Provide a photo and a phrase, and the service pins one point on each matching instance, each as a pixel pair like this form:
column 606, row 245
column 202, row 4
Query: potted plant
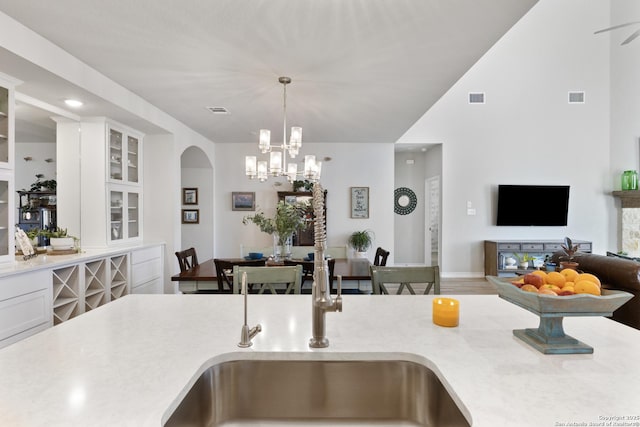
column 289, row 218
column 306, row 185
column 570, row 250
column 59, row 239
column 523, row 260
column 360, row 241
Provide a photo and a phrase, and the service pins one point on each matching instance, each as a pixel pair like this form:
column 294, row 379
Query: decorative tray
column 550, row 338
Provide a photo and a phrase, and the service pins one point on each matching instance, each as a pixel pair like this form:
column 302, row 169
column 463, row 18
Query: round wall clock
column 405, row 200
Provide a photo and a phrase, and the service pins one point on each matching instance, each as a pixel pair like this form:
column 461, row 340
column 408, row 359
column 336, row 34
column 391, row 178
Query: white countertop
column 42, row 261
column 127, row 362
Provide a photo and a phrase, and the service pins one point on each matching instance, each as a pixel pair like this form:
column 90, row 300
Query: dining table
column 204, row 277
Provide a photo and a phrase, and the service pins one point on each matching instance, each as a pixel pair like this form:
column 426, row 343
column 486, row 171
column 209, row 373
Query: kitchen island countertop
column 129, row 362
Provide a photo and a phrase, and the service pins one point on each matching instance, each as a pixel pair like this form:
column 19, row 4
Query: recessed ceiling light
column 73, row 103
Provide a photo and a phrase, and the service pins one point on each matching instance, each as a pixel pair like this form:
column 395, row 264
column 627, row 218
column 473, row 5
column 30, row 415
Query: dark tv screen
column 543, row 205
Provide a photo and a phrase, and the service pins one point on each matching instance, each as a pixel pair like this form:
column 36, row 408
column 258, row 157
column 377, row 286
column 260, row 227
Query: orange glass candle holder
column 446, row 312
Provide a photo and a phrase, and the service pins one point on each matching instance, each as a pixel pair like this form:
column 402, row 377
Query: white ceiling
column 362, row 70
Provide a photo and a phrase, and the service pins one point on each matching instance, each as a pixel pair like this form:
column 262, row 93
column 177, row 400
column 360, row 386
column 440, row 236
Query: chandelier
column 278, row 165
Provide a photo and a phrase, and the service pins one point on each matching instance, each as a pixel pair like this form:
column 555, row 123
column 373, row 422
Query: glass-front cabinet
column 4, row 125
column 7, row 195
column 123, row 156
column 124, row 214
column 112, row 180
column 6, row 223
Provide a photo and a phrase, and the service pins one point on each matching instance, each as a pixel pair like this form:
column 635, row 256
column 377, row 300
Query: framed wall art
column 359, row 202
column 190, row 216
column 243, row 201
column 189, row 196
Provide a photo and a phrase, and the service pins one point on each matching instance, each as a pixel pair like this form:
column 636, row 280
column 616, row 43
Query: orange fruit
column 568, row 284
column 587, row 276
column 547, row 291
column 555, row 278
column 541, row 274
column 569, row 287
column 569, row 274
column 529, row 288
column 586, row 287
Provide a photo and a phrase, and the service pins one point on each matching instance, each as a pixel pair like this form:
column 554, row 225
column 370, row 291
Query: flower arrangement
column 289, row 218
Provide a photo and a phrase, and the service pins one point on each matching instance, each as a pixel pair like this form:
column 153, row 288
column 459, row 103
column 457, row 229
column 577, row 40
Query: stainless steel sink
column 301, row 393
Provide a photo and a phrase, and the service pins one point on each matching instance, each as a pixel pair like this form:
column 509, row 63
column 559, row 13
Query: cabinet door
column 133, row 215
column 6, row 216
column 133, row 150
column 116, row 155
column 4, row 124
column 116, row 223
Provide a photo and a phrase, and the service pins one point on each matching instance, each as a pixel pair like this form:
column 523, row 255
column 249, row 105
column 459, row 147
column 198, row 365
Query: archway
column 196, row 181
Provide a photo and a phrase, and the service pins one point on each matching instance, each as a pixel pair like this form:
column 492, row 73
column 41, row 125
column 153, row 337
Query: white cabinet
column 7, row 199
column 111, row 188
column 7, row 215
column 124, row 213
column 25, row 306
column 124, row 153
column 147, row 270
column 5, row 127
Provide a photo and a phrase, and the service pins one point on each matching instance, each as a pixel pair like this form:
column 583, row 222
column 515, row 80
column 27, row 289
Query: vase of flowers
column 289, row 218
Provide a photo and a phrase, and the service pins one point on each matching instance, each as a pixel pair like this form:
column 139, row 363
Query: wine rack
column 66, row 293
column 95, row 290
column 118, row 283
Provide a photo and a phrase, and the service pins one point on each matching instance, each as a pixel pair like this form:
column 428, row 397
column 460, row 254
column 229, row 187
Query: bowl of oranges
column 566, row 292
column 553, row 296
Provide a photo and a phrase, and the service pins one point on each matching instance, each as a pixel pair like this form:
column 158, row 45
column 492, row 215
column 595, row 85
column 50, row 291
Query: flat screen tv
column 543, row 205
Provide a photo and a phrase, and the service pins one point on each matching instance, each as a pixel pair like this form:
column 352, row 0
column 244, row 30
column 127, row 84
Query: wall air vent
column 476, row 97
column 218, row 110
column 576, row 97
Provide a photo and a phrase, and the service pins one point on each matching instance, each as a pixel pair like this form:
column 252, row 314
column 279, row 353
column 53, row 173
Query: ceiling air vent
column 218, row 110
column 576, row 97
column 476, row 97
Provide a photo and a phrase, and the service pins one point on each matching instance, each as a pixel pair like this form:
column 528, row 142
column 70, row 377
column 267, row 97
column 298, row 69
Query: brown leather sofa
column 616, row 273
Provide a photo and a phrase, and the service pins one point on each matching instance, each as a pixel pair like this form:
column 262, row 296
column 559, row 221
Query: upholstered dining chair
column 381, row 257
column 187, row 259
column 405, row 277
column 267, row 277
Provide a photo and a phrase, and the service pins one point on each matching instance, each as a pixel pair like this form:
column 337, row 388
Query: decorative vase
column 524, row 265
column 360, row 254
column 281, row 248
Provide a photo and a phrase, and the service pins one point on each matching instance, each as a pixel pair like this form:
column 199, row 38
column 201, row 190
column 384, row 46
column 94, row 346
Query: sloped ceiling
column 362, row 70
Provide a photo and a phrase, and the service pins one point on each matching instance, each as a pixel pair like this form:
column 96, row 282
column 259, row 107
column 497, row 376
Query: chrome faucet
column 322, row 303
column 320, row 290
column 247, row 334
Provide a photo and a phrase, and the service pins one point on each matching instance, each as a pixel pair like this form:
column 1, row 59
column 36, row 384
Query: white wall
column 526, row 133
column 361, row 165
column 625, row 106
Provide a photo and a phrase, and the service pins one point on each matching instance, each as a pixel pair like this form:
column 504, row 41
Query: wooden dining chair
column 405, row 277
column 224, row 272
column 187, row 259
column 381, row 257
column 307, row 270
column 267, row 277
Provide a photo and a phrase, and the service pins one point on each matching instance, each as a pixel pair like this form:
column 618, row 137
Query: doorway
column 432, row 221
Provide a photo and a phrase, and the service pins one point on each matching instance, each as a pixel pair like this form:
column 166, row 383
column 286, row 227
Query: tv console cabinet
column 496, row 252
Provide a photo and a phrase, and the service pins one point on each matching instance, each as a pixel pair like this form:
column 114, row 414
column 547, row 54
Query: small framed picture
column 190, row 216
column 243, row 201
column 189, row 196
column 359, row 202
